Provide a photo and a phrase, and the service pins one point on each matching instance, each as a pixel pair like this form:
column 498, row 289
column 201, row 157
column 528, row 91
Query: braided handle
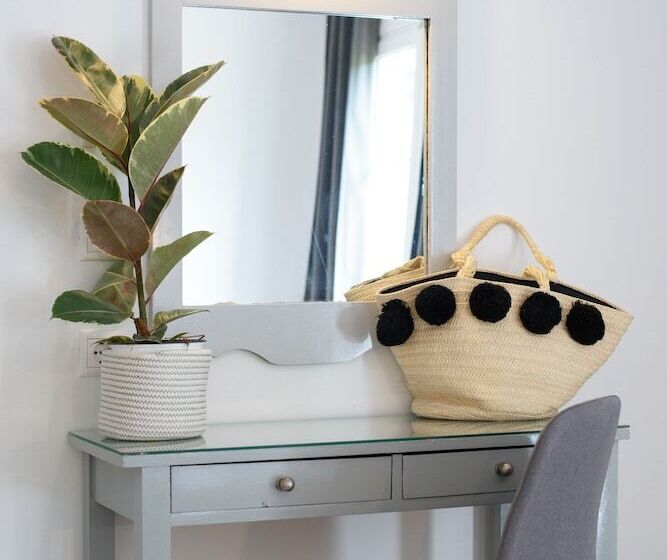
column 463, row 260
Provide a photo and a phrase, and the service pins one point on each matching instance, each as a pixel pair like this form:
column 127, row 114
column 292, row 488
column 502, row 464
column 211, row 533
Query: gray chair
column 554, row 514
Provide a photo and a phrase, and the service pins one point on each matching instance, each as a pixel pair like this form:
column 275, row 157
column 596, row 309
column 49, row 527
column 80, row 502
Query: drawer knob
column 285, row 484
column 504, row 468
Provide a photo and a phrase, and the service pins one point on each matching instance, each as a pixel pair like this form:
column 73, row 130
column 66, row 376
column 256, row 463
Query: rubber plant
column 135, row 130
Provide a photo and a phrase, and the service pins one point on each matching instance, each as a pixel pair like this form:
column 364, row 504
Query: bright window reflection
column 385, row 207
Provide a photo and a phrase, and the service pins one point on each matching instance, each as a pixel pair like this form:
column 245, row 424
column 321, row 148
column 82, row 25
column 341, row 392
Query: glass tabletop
column 301, row 433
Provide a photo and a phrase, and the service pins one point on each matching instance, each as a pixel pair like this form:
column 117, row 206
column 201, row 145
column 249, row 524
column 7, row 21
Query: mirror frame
column 302, row 333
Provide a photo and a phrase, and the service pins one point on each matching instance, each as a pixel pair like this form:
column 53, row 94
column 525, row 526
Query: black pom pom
column 490, row 302
column 435, row 304
column 585, row 323
column 395, row 324
column 540, row 313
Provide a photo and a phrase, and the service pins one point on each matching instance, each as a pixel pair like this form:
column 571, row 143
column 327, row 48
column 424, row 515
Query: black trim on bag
column 495, row 277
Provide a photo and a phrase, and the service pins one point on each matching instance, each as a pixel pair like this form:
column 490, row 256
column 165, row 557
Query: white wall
column 562, row 123
column 41, row 396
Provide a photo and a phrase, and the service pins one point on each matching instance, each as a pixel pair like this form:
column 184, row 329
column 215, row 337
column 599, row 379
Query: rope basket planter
column 483, row 345
column 153, row 392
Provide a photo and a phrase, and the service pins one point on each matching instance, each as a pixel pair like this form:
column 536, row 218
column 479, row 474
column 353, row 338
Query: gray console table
column 313, row 468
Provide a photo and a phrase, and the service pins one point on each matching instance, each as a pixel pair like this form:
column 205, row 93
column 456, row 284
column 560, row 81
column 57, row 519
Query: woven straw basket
column 473, row 347
column 368, row 290
column 153, row 392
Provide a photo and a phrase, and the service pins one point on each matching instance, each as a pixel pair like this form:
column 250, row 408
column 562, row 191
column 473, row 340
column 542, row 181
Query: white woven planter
column 153, row 392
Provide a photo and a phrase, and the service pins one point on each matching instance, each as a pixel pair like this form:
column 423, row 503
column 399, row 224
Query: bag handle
column 464, row 261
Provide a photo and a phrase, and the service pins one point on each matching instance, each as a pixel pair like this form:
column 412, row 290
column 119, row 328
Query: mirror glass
column 307, row 161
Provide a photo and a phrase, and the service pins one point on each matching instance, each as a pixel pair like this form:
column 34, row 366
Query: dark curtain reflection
column 348, row 41
column 418, row 233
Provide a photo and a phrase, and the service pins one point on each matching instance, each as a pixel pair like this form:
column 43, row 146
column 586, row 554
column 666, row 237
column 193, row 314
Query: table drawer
column 459, row 473
column 255, row 485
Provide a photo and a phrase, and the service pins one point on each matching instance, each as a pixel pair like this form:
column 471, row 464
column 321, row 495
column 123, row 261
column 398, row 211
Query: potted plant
column 152, row 386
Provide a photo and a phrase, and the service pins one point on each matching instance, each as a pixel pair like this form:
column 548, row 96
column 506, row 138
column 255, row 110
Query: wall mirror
column 307, row 160
column 312, row 161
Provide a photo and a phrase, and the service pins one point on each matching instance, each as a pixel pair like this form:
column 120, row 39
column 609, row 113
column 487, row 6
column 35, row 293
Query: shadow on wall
column 315, row 539
column 289, row 540
column 391, row 536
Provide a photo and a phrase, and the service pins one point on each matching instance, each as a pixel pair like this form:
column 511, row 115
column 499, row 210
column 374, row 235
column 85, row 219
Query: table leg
column 608, row 517
column 487, row 526
column 152, row 524
column 99, row 522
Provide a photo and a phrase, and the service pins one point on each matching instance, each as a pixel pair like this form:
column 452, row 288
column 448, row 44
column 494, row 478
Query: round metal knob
column 285, row 484
column 504, row 468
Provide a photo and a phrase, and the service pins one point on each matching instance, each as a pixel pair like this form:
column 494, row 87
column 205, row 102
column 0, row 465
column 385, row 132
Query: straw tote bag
column 483, row 345
column 367, row 291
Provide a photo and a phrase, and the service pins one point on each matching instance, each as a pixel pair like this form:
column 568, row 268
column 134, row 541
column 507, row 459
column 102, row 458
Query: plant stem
column 141, row 298
column 131, row 193
column 142, row 323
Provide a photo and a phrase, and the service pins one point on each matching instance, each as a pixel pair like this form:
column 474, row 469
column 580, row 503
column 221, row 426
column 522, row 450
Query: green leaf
column 164, row 258
column 149, row 338
column 92, row 122
column 120, row 272
column 186, row 85
column 164, row 317
column 158, row 141
column 94, row 72
column 116, row 339
column 116, row 229
column 84, row 307
column 117, row 286
column 159, row 332
column 74, row 169
column 177, row 336
column 141, row 106
column 158, row 196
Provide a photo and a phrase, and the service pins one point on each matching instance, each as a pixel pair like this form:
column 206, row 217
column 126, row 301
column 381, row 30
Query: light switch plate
column 88, row 251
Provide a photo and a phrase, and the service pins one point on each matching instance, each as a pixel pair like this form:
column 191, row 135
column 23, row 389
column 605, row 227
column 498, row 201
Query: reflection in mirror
column 307, row 161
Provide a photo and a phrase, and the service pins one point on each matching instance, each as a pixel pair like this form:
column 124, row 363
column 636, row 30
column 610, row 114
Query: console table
column 312, row 468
